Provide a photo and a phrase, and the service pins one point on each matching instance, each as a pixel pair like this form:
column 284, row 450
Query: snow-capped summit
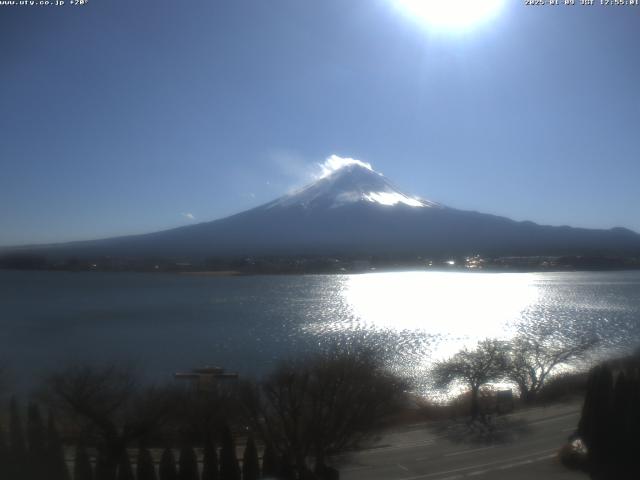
column 349, row 181
column 352, row 210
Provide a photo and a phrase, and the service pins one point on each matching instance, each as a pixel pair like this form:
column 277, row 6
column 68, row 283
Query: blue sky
column 121, row 117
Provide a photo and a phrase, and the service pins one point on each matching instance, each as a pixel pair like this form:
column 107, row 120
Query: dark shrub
column 4, row 456
column 56, row 464
column 145, row 469
column 17, row 448
column 35, row 434
column 125, row 472
column 188, row 464
column 250, row 465
column 105, row 468
column 168, row 469
column 229, row 468
column 82, row 465
column 210, row 463
column 562, row 387
column 269, row 462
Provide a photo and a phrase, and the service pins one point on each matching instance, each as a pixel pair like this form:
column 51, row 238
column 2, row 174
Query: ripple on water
column 169, row 322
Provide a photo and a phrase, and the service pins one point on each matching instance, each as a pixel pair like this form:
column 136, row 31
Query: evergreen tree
column 125, row 472
column 619, row 423
column 105, row 469
column 250, row 465
column 210, row 463
column 82, row 465
column 306, row 474
column 145, row 469
column 286, row 469
column 229, row 468
column 602, row 442
column 168, row 469
column 610, row 421
column 595, row 426
column 634, row 425
column 56, row 464
column 36, row 435
column 587, row 418
column 5, row 456
column 17, row 449
column 269, row 462
column 626, row 408
column 188, row 464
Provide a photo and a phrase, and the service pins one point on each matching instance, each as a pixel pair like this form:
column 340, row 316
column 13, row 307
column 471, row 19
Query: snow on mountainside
column 353, row 210
column 351, row 181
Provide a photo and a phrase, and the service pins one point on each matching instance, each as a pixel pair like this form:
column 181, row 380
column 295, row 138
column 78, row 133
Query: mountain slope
column 356, row 211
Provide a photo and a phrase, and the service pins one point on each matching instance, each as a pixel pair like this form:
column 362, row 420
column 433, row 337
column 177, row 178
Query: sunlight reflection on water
column 416, row 318
column 250, row 323
column 454, row 304
column 456, row 308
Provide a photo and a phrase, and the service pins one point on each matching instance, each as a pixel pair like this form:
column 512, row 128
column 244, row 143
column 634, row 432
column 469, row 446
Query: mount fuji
column 354, row 210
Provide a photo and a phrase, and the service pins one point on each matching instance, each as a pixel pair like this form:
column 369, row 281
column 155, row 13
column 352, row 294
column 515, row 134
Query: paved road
column 425, row 452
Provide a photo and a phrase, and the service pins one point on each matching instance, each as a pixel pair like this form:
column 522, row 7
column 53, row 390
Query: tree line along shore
column 302, row 264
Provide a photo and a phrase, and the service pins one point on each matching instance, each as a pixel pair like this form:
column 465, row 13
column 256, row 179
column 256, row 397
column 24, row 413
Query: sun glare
column 450, row 14
column 462, row 306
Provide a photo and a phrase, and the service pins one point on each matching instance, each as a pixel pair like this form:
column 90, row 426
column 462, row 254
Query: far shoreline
column 239, row 273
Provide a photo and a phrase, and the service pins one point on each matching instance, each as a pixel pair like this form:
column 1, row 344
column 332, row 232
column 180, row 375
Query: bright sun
column 450, row 14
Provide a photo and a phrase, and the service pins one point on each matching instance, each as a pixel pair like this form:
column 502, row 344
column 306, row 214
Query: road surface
column 441, row 452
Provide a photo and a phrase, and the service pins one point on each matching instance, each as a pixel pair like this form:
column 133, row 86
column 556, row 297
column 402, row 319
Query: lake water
column 165, row 323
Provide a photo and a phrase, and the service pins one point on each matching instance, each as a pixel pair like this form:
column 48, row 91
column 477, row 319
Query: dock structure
column 206, row 378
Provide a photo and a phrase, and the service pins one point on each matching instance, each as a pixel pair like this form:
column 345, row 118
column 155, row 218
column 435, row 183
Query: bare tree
column 473, row 368
column 533, row 357
column 323, row 405
column 109, row 404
